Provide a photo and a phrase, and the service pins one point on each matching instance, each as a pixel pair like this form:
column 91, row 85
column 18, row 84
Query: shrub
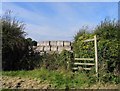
column 55, row 61
column 108, row 50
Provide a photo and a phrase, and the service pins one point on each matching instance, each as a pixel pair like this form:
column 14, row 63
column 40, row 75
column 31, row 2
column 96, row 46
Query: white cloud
column 35, row 31
column 22, row 12
column 40, row 27
column 47, row 32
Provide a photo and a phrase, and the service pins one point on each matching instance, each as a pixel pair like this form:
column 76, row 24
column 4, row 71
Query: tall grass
column 58, row 79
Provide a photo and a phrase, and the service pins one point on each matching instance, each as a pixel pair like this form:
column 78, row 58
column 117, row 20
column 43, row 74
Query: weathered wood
column 84, row 58
column 77, row 68
column 89, row 40
column 84, row 64
column 96, row 56
column 87, row 68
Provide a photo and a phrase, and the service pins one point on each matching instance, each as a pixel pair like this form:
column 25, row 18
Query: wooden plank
column 87, row 68
column 89, row 40
column 84, row 63
column 77, row 68
column 84, row 58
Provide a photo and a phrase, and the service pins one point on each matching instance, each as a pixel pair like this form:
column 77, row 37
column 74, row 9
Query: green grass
column 57, row 79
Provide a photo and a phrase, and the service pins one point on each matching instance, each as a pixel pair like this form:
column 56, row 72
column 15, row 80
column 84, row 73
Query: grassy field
column 60, row 79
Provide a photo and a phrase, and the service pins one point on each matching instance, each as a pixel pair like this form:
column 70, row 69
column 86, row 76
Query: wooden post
column 68, row 65
column 96, row 56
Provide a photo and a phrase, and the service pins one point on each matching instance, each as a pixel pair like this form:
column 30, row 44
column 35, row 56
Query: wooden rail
column 77, row 68
column 84, row 59
column 87, row 68
column 89, row 40
column 84, row 64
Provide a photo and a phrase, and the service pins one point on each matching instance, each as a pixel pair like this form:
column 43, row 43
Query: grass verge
column 58, row 79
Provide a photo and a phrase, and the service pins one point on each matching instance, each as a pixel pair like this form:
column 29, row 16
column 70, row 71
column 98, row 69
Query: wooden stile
column 90, row 59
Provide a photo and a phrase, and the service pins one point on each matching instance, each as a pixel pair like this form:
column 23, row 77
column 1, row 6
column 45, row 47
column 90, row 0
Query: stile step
column 84, row 64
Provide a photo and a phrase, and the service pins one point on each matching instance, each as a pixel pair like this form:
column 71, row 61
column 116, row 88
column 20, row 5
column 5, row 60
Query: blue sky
column 60, row 20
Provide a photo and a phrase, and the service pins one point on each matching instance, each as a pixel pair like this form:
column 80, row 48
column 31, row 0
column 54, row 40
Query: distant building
column 55, row 46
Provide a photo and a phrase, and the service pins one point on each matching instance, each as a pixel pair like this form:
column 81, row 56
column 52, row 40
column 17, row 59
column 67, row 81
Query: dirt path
column 24, row 83
column 33, row 83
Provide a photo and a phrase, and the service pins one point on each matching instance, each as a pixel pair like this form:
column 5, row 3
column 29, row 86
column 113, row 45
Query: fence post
column 96, row 56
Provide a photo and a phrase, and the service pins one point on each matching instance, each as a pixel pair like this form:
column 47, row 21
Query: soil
column 23, row 83
column 8, row 82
